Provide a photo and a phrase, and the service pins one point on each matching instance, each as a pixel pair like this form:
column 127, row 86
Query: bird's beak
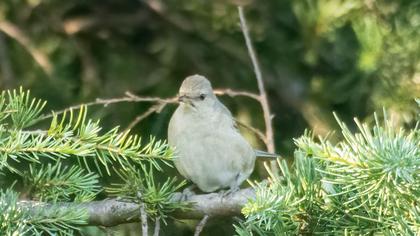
column 182, row 98
column 185, row 99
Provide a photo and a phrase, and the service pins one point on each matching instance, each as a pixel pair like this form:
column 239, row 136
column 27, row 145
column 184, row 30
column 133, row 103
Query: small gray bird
column 210, row 151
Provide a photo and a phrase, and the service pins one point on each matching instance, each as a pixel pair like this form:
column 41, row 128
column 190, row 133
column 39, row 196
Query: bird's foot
column 230, row 192
column 187, row 192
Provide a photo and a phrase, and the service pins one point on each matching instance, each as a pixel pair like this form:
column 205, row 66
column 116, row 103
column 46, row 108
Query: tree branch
column 233, row 93
column 201, row 225
column 159, row 104
column 143, row 219
column 14, row 32
column 111, row 212
column 256, row 131
column 157, row 227
column 105, row 102
column 157, row 108
column 269, row 133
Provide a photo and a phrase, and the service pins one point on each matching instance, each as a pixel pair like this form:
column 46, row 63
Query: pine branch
column 24, row 219
column 76, row 136
column 139, row 185
column 52, row 183
column 366, row 184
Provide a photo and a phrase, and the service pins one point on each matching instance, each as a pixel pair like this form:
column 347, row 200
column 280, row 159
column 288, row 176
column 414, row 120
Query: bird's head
column 196, row 92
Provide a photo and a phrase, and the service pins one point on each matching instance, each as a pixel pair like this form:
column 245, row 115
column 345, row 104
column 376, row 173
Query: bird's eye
column 202, row 96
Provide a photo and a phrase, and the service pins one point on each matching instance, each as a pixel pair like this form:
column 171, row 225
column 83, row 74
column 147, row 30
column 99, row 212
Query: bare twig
column 143, row 217
column 160, row 103
column 157, row 226
column 157, row 108
column 14, row 32
column 111, row 212
column 233, row 93
column 269, row 133
column 105, row 102
column 201, row 225
column 256, row 131
column 144, row 115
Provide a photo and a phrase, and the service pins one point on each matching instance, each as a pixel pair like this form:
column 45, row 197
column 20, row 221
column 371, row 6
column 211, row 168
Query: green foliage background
column 353, row 57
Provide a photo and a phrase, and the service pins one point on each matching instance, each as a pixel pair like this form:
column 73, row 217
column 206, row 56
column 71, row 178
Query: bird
column 209, row 149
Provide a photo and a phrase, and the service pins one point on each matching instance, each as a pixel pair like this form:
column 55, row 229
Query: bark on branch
column 111, row 212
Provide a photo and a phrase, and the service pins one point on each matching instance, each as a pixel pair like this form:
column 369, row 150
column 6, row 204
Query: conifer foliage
column 368, row 183
column 40, row 161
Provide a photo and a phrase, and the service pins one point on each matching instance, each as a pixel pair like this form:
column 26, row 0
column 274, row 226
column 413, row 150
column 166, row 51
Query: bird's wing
column 258, row 153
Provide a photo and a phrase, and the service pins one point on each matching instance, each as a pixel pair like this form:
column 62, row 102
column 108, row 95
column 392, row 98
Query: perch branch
column 111, row 212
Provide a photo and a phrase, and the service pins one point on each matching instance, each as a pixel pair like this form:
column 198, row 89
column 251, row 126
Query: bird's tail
column 266, row 155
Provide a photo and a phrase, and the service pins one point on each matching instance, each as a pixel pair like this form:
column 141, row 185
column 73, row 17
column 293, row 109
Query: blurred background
column 353, row 57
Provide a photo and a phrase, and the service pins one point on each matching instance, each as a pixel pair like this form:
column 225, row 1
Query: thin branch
column 111, row 212
column 256, row 131
column 14, row 32
column 269, row 133
column 160, row 103
column 105, row 102
column 157, row 108
column 143, row 219
column 201, row 225
column 157, row 226
column 233, row 93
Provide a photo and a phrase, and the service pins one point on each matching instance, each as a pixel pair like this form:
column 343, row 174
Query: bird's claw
column 230, row 192
column 187, row 192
